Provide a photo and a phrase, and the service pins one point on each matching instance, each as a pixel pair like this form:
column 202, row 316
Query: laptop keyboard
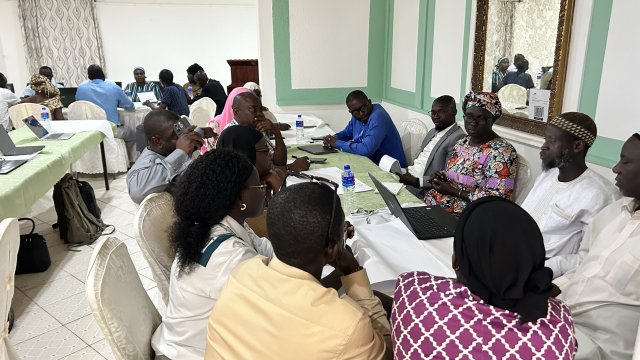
column 54, row 136
column 425, row 224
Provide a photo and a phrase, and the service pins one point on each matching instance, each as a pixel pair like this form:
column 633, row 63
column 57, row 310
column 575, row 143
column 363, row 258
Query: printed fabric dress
column 485, row 170
column 439, row 318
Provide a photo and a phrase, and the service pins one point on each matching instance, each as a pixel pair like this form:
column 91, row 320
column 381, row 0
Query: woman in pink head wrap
column 227, row 113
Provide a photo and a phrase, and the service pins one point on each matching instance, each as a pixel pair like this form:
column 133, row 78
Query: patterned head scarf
column 501, row 60
column 43, row 87
column 139, row 68
column 486, row 100
column 577, row 124
column 504, row 273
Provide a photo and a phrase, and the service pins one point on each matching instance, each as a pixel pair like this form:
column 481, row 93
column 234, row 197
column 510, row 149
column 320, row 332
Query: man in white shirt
column 46, row 72
column 603, row 292
column 7, row 99
column 567, row 195
column 437, row 146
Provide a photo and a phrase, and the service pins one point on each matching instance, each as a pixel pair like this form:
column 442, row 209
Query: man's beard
column 562, row 161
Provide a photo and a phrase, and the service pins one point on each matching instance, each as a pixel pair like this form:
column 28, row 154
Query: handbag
column 33, row 255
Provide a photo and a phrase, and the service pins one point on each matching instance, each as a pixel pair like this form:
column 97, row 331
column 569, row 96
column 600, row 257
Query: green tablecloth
column 360, row 165
column 22, row 187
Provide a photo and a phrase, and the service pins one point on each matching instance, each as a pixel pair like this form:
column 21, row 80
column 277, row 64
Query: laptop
column 7, row 166
column 8, row 148
column 67, row 95
column 36, row 127
column 425, row 222
column 317, row 149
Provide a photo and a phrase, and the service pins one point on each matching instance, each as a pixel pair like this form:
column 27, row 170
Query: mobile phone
column 317, row 138
column 317, row 160
column 180, row 126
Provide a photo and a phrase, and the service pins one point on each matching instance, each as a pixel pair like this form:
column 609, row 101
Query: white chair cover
column 151, row 225
column 513, row 94
column 206, row 103
column 114, row 149
column 22, row 111
column 9, row 244
column 413, row 133
column 523, row 179
column 119, row 303
column 200, row 116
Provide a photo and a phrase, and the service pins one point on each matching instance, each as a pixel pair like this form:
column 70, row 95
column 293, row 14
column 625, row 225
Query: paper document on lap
column 390, row 249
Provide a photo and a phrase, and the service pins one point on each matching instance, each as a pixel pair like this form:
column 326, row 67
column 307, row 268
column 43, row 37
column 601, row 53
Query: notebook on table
column 8, row 148
column 425, row 222
column 36, row 127
column 317, row 149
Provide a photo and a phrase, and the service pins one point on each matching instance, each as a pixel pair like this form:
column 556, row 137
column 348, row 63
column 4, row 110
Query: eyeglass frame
column 360, row 110
column 262, row 187
column 482, row 121
column 322, row 181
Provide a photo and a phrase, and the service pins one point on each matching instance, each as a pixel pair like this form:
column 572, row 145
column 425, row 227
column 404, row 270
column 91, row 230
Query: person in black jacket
column 212, row 89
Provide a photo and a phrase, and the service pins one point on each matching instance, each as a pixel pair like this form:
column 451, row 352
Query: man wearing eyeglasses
column 370, row 132
column 437, row 146
column 282, row 303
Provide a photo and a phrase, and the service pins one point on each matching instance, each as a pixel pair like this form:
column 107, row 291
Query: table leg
column 104, row 166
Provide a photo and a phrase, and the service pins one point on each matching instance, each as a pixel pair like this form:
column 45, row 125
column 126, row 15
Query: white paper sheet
column 149, row 95
column 19, row 157
column 393, row 187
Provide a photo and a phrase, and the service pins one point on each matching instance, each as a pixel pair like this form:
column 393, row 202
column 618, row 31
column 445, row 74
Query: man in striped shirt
column 141, row 85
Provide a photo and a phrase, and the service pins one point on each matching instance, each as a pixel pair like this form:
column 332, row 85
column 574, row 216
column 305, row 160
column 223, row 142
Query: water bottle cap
column 44, row 108
column 347, row 167
column 299, row 116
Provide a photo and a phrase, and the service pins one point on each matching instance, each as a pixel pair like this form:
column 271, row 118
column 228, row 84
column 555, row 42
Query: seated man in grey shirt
column 166, row 156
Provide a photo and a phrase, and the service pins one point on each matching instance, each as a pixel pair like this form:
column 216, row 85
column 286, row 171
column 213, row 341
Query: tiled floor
column 53, row 319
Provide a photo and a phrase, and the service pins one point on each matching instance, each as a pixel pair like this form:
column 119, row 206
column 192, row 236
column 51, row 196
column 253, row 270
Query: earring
column 243, row 207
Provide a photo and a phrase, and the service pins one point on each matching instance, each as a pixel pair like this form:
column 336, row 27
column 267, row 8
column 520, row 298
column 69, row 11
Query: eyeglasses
column 262, row 188
column 432, row 113
column 320, row 180
column 361, row 110
column 265, row 150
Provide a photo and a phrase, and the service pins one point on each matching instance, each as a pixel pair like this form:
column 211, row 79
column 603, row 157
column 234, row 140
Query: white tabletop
column 75, row 126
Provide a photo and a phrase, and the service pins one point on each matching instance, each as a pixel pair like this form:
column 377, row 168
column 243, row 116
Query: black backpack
column 78, row 212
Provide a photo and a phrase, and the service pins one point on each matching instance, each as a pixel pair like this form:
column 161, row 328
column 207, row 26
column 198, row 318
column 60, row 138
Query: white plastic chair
column 114, row 149
column 523, row 179
column 9, row 244
column 412, row 134
column 23, row 111
column 513, row 94
column 151, row 225
column 123, row 310
column 200, row 116
column 206, row 103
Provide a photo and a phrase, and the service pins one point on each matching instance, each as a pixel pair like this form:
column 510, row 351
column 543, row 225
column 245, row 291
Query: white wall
column 12, row 58
column 173, row 35
column 448, row 41
column 404, row 51
column 155, row 34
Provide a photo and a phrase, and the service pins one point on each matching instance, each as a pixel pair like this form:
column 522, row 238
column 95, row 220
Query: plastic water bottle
column 128, row 93
column 299, row 130
column 44, row 119
column 190, row 91
column 349, row 190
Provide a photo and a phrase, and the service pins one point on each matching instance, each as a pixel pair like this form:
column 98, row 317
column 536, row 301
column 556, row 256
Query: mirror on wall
column 520, row 52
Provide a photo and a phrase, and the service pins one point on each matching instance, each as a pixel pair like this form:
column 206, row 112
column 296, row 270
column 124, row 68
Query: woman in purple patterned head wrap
column 482, row 163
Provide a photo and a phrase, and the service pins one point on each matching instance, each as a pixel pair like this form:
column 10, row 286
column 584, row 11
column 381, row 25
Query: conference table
column 22, row 187
column 382, row 243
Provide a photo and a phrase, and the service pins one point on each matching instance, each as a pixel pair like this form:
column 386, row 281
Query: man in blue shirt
column 109, row 97
column 174, row 98
column 370, row 132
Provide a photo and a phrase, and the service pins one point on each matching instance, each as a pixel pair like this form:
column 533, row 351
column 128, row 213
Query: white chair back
column 123, row 310
column 85, row 110
column 151, row 225
column 412, row 135
column 513, row 94
column 207, row 104
column 23, row 111
column 200, row 116
column 523, row 179
column 9, row 244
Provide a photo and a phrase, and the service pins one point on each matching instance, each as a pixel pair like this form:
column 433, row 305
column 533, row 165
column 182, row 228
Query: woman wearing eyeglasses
column 482, row 163
column 253, row 145
column 213, row 198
